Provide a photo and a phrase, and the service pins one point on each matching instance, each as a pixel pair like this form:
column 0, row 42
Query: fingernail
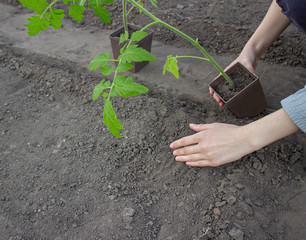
column 177, row 158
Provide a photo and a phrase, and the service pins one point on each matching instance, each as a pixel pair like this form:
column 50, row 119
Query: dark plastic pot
column 250, row 101
column 145, row 43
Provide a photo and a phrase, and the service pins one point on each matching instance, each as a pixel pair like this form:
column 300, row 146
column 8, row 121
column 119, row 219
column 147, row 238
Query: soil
column 64, row 176
column 240, row 79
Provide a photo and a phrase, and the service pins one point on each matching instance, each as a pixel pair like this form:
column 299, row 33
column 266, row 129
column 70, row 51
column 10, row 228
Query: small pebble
column 236, row 234
column 216, row 211
column 231, row 200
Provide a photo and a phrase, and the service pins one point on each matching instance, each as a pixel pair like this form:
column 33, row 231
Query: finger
column 187, row 150
column 211, row 92
column 185, row 141
column 190, row 158
column 217, row 98
column 200, row 127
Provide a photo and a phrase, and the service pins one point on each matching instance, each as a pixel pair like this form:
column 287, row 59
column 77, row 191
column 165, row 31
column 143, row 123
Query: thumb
column 199, row 127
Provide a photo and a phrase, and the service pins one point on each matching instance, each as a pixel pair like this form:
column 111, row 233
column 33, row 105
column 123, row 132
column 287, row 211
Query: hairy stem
column 124, row 15
column 116, row 72
column 195, row 57
column 194, row 42
column 149, row 25
column 130, row 10
column 49, row 7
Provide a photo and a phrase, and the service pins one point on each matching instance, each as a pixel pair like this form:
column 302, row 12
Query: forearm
column 273, row 24
column 269, row 129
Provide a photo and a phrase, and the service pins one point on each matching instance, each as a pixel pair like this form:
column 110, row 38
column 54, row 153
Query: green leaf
column 56, row 11
column 101, row 12
column 154, row 3
column 100, row 59
column 171, row 66
column 110, row 119
column 113, row 93
column 122, row 49
column 107, row 1
column 133, row 53
column 35, row 5
column 67, row 1
column 99, row 89
column 123, row 67
column 48, row 15
column 56, row 18
column 106, row 70
column 92, row 3
column 122, row 38
column 75, row 11
column 37, row 24
column 125, row 87
column 138, row 35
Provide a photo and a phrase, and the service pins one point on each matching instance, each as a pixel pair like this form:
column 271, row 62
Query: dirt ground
column 64, row 176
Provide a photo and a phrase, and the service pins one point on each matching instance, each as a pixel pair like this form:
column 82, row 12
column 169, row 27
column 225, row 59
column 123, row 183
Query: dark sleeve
column 295, row 10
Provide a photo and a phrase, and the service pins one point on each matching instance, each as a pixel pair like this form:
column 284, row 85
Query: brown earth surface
column 64, row 176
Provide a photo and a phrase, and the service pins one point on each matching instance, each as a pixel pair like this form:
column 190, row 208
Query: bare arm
column 216, row 144
column 273, row 24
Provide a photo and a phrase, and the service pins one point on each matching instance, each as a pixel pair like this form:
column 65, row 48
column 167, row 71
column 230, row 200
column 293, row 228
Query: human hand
column 248, row 59
column 213, row 145
column 217, row 143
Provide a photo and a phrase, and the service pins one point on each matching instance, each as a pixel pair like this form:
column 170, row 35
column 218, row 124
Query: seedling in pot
column 247, row 98
column 130, row 52
column 120, row 86
column 123, row 34
column 49, row 16
column 126, row 12
column 249, row 101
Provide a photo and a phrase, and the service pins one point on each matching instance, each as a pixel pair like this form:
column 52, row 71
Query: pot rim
column 115, row 33
column 255, row 79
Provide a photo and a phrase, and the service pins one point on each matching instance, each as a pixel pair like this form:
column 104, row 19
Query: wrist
column 251, row 138
column 249, row 57
column 269, row 129
column 254, row 139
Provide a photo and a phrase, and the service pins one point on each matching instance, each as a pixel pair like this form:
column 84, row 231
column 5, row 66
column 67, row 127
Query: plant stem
column 194, row 42
column 130, row 10
column 82, row 2
column 51, row 4
column 124, row 15
column 149, row 25
column 195, row 57
column 116, row 72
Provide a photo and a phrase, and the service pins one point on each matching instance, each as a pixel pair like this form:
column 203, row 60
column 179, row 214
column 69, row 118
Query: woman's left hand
column 213, row 145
